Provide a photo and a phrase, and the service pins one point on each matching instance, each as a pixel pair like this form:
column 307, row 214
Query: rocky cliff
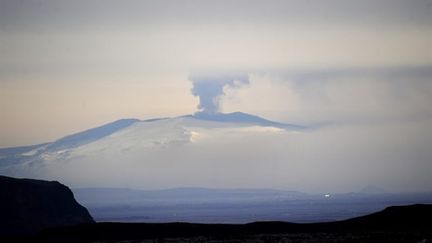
column 28, row 206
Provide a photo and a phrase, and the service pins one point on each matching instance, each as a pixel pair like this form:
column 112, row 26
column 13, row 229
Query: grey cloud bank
column 39, row 15
column 357, row 95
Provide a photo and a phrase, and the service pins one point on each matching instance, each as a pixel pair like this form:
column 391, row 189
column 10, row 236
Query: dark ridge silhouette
column 392, row 220
column 28, row 206
column 412, row 217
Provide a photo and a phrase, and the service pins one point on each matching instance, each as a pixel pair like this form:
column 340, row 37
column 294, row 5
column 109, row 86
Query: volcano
column 161, row 146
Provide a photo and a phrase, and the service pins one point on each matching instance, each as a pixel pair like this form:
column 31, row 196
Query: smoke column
column 209, row 87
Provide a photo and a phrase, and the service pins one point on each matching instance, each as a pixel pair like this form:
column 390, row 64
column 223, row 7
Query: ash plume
column 209, row 87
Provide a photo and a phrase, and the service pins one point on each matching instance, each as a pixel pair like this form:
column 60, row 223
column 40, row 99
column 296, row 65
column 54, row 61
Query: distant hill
column 234, row 206
column 370, row 189
column 28, row 206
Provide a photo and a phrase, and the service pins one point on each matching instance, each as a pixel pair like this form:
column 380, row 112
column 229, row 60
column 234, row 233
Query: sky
column 357, row 73
column 66, row 66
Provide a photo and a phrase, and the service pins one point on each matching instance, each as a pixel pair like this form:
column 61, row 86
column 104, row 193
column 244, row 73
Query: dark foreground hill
column 394, row 224
column 28, row 206
column 42, row 211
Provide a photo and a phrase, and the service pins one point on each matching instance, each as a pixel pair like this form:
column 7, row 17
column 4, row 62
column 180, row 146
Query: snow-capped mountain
column 125, row 147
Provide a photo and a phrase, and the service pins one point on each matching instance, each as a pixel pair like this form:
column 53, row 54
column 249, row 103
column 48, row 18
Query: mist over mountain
column 217, row 150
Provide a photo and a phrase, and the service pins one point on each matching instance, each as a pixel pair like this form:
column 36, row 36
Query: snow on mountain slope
column 126, row 150
column 240, row 117
column 159, row 134
column 90, row 135
column 68, row 142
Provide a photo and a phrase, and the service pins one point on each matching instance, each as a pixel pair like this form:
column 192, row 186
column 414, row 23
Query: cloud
column 209, row 87
column 356, row 95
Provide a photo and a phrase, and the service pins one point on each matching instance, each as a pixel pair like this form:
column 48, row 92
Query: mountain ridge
column 95, row 133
